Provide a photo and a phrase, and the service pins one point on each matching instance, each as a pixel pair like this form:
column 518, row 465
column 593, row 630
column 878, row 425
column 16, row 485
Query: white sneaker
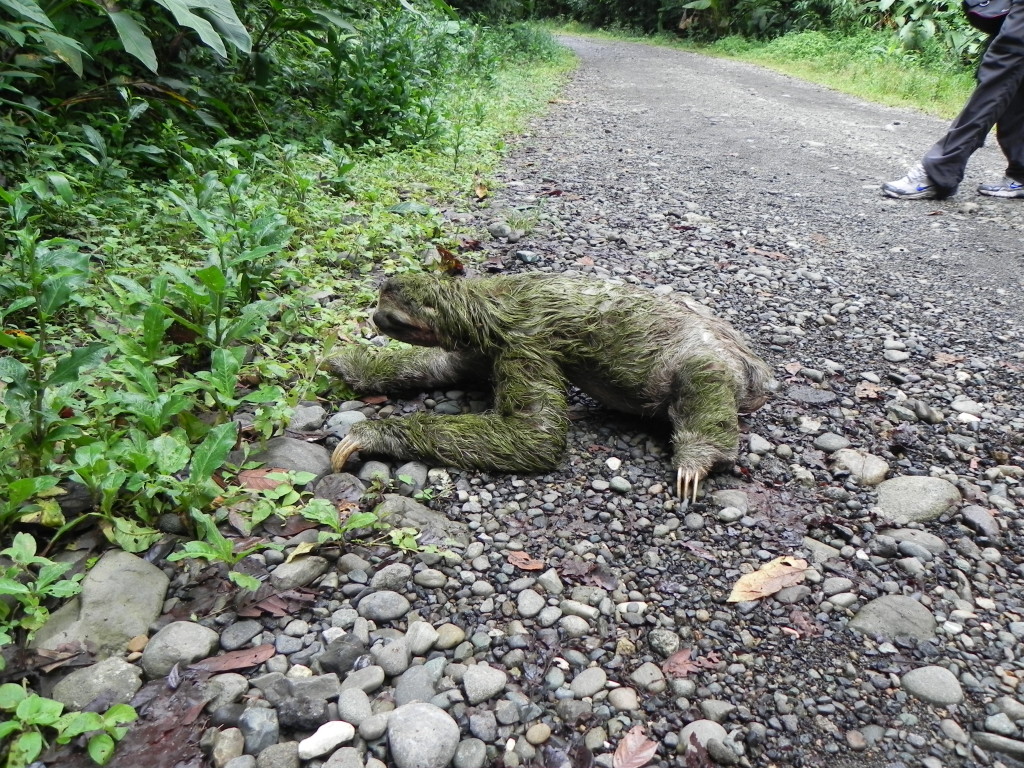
column 1006, row 188
column 915, row 186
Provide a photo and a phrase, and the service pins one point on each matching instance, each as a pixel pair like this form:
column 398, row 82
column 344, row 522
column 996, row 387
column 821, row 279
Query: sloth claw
column 343, row 452
column 688, row 483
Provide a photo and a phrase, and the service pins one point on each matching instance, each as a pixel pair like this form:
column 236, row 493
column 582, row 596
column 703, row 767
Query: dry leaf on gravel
column 524, row 562
column 635, row 749
column 247, row 657
column 679, row 664
column 768, row 579
column 867, row 390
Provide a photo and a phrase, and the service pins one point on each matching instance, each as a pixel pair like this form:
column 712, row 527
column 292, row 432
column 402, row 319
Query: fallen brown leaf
column 768, row 579
column 259, row 480
column 523, row 561
column 635, row 750
column 867, row 390
column 247, row 657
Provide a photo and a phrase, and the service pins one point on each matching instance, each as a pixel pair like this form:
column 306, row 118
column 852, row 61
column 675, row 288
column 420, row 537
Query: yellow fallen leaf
column 301, row 549
column 769, row 579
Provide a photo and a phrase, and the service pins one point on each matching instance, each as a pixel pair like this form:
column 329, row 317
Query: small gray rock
column 283, row 755
column 916, row 499
column 235, row 635
column 354, row 706
column 471, row 753
column 383, row 606
column 482, row 681
column 703, row 730
column 260, row 729
column 422, row 736
column 180, row 642
column 294, row 454
column 588, row 682
column 892, row 616
column 114, row 680
column 298, row 573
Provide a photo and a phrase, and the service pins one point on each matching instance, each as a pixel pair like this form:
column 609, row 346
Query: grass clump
column 869, row 64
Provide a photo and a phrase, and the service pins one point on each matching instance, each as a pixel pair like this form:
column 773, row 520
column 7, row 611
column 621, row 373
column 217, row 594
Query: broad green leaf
column 27, row 487
column 210, row 454
column 77, row 723
column 101, row 748
column 134, row 39
column 411, row 206
column 54, row 294
column 170, row 453
column 213, row 278
column 17, row 305
column 62, row 186
column 129, row 535
column 227, row 22
column 244, row 580
column 25, row 749
column 12, row 587
column 119, row 714
column 184, row 16
column 68, row 367
column 28, row 9
column 39, row 711
column 64, row 48
column 11, row 694
column 335, row 18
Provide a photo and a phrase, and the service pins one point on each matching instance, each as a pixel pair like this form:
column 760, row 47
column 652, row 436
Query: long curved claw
column 343, row 452
column 688, row 483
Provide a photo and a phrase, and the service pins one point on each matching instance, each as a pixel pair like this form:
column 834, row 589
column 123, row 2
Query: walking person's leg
column 1010, row 135
column 999, row 79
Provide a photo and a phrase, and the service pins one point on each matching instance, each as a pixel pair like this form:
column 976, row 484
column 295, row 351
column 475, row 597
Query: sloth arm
column 705, row 427
column 395, row 369
column 524, row 432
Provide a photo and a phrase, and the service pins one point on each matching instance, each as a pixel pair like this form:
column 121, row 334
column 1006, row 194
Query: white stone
column 327, row 738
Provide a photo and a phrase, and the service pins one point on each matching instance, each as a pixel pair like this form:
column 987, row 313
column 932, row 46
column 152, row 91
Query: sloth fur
column 531, row 335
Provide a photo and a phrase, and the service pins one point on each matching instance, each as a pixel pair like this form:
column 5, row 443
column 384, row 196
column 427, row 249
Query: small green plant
column 219, row 385
column 323, row 512
column 34, row 721
column 27, row 581
column 217, row 548
column 47, row 280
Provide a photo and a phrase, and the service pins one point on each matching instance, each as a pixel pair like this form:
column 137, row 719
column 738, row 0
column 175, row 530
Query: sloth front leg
column 391, row 369
column 705, row 424
column 524, row 432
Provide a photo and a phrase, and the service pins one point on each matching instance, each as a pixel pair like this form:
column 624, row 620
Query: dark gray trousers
column 998, row 99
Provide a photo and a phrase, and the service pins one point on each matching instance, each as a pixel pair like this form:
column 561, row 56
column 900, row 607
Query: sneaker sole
column 927, row 194
column 1006, row 194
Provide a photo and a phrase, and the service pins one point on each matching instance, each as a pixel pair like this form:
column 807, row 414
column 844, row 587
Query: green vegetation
column 870, row 65
column 32, row 722
column 194, row 206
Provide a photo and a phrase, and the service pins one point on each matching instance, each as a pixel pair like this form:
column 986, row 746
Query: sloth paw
column 688, row 482
column 343, row 452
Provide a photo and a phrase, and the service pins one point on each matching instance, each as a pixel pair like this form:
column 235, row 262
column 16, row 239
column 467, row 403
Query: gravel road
column 573, row 607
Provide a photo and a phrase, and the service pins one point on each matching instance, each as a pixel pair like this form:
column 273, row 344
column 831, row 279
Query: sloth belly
column 612, row 396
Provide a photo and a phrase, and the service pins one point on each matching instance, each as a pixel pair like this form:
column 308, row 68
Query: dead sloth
column 533, row 334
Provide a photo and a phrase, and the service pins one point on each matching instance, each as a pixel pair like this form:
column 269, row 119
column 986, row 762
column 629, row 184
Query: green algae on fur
column 532, row 335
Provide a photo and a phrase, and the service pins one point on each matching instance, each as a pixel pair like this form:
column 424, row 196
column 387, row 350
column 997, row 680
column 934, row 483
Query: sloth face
column 402, row 317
